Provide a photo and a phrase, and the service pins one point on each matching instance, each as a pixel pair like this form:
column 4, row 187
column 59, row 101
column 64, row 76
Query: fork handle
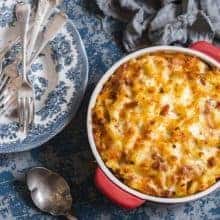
column 24, row 51
column 23, row 11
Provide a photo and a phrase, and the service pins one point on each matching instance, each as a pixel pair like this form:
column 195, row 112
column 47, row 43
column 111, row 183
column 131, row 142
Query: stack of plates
column 59, row 77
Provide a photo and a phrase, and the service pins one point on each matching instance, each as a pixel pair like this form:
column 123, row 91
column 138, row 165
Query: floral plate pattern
column 59, row 77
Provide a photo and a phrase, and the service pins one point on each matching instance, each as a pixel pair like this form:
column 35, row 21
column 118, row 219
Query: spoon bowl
column 50, row 192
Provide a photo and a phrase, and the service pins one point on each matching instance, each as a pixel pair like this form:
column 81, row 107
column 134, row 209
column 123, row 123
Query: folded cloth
column 165, row 22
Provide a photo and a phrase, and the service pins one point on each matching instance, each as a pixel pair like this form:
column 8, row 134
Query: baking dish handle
column 207, row 48
column 115, row 193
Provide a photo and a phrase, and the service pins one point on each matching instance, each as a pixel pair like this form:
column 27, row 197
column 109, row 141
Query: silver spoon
column 50, row 192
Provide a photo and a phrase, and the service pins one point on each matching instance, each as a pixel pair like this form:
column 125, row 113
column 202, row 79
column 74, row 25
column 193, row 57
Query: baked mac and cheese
column 156, row 124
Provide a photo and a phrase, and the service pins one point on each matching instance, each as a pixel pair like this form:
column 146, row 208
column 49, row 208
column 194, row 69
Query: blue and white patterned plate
column 59, row 77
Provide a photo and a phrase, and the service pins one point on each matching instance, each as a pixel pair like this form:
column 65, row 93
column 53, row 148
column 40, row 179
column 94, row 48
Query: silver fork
column 3, row 82
column 52, row 28
column 8, row 89
column 9, row 73
column 5, row 77
column 25, row 93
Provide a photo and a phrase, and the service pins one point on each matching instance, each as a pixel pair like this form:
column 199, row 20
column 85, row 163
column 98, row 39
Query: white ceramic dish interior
column 98, row 158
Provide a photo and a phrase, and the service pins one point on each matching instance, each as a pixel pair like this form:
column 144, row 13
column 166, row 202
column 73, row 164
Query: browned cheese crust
column 156, row 124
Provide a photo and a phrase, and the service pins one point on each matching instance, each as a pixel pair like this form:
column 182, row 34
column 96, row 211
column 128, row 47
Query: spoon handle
column 52, row 28
column 71, row 217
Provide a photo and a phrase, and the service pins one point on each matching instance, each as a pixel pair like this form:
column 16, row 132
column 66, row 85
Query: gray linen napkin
column 157, row 22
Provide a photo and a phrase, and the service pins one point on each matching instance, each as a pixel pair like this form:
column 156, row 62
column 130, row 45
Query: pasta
column 156, row 124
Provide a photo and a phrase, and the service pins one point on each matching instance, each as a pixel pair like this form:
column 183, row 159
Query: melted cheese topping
column 156, row 124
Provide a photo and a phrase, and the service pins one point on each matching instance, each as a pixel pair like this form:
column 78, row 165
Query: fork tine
column 20, row 111
column 7, row 105
column 3, row 83
column 5, row 101
column 31, row 113
column 2, row 75
column 1, row 68
column 3, row 93
column 8, row 98
column 1, row 64
column 2, row 97
column 26, row 115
